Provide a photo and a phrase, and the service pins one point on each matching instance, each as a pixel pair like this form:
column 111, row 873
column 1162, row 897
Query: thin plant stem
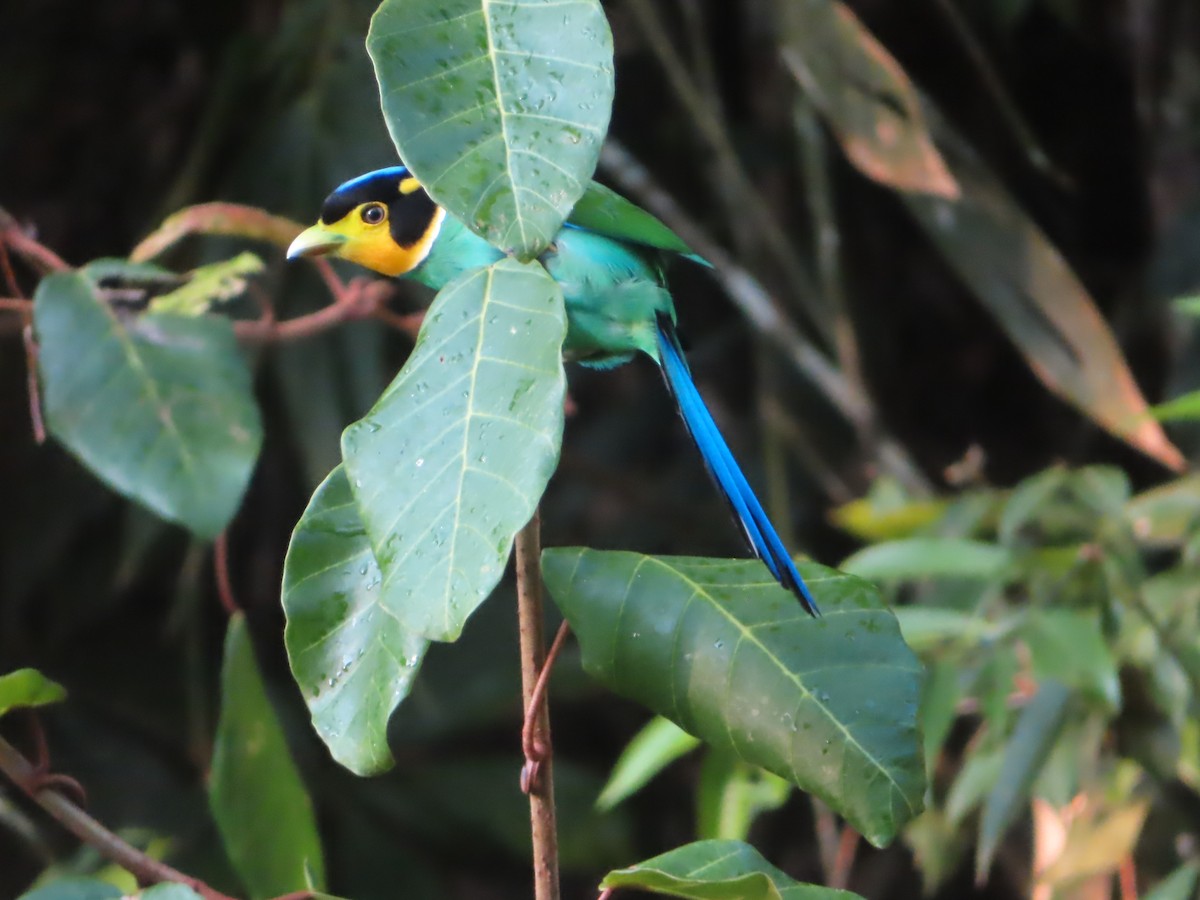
column 538, row 778
column 847, row 850
column 145, row 869
column 221, row 571
column 825, row 824
column 534, row 706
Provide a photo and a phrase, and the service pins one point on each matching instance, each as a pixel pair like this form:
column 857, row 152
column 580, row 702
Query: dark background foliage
column 117, row 112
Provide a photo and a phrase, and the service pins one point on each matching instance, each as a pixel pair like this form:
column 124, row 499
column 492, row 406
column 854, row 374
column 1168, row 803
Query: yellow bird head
column 383, row 221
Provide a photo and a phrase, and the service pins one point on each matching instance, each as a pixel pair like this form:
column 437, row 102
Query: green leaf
column 925, row 628
column 1189, row 306
column 865, row 96
column 717, row 870
column 728, row 655
column 732, row 795
column 498, row 108
column 27, row 688
column 261, row 807
column 652, row 749
column 913, row 558
column 1179, row 885
column 1027, row 749
column 939, row 705
column 158, row 406
column 451, row 461
column 1070, row 647
column 208, row 285
column 973, row 783
column 1182, row 409
column 169, row 891
column 1006, row 260
column 1167, row 514
column 350, row 656
column 606, row 212
column 74, row 889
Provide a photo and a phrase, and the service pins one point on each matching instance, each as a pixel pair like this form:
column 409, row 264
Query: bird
column 611, row 270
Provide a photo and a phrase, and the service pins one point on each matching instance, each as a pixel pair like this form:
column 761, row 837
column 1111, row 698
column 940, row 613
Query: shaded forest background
column 115, row 114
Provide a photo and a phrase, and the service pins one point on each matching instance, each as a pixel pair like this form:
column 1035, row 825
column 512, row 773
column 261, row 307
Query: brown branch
column 847, row 849
column 221, row 570
column 145, row 869
column 538, row 780
column 16, row 304
column 41, row 256
column 1127, row 873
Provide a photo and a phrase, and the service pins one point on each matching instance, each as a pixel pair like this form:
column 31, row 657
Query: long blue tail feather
column 760, row 534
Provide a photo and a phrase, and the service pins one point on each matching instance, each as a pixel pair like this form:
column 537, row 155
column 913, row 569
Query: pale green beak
column 315, row 241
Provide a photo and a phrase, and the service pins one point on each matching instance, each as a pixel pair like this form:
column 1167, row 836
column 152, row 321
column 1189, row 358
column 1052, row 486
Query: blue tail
column 760, row 534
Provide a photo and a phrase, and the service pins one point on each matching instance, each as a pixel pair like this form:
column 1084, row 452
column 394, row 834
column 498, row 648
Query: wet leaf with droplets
column 352, row 660
column 445, row 477
column 499, row 109
column 719, row 648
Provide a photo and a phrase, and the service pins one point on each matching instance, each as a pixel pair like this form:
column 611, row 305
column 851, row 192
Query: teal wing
column 606, row 212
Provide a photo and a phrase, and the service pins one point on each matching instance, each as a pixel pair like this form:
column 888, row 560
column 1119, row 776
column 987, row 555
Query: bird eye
column 374, row 213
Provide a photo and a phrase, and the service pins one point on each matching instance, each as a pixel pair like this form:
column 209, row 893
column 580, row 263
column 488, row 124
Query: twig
column 828, row 841
column 144, row 868
column 533, row 708
column 539, row 781
column 221, row 570
column 31, row 384
column 1127, row 873
column 763, row 312
column 34, row 252
column 15, row 304
column 847, row 849
column 361, row 299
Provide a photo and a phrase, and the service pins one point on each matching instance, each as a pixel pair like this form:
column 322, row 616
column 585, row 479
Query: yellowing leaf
column 865, row 96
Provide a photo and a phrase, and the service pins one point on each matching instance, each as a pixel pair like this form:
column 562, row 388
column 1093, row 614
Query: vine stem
column 538, row 776
column 145, row 869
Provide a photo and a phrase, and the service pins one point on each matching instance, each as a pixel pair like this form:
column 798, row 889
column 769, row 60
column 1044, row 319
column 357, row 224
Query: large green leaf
column 718, row 647
column 452, row 460
column 498, row 108
column 158, row 406
column 350, row 656
column 717, row 870
column 27, row 688
column 260, row 804
column 1024, row 282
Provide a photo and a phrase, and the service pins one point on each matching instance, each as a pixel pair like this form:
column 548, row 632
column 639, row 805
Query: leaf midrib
column 747, row 634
